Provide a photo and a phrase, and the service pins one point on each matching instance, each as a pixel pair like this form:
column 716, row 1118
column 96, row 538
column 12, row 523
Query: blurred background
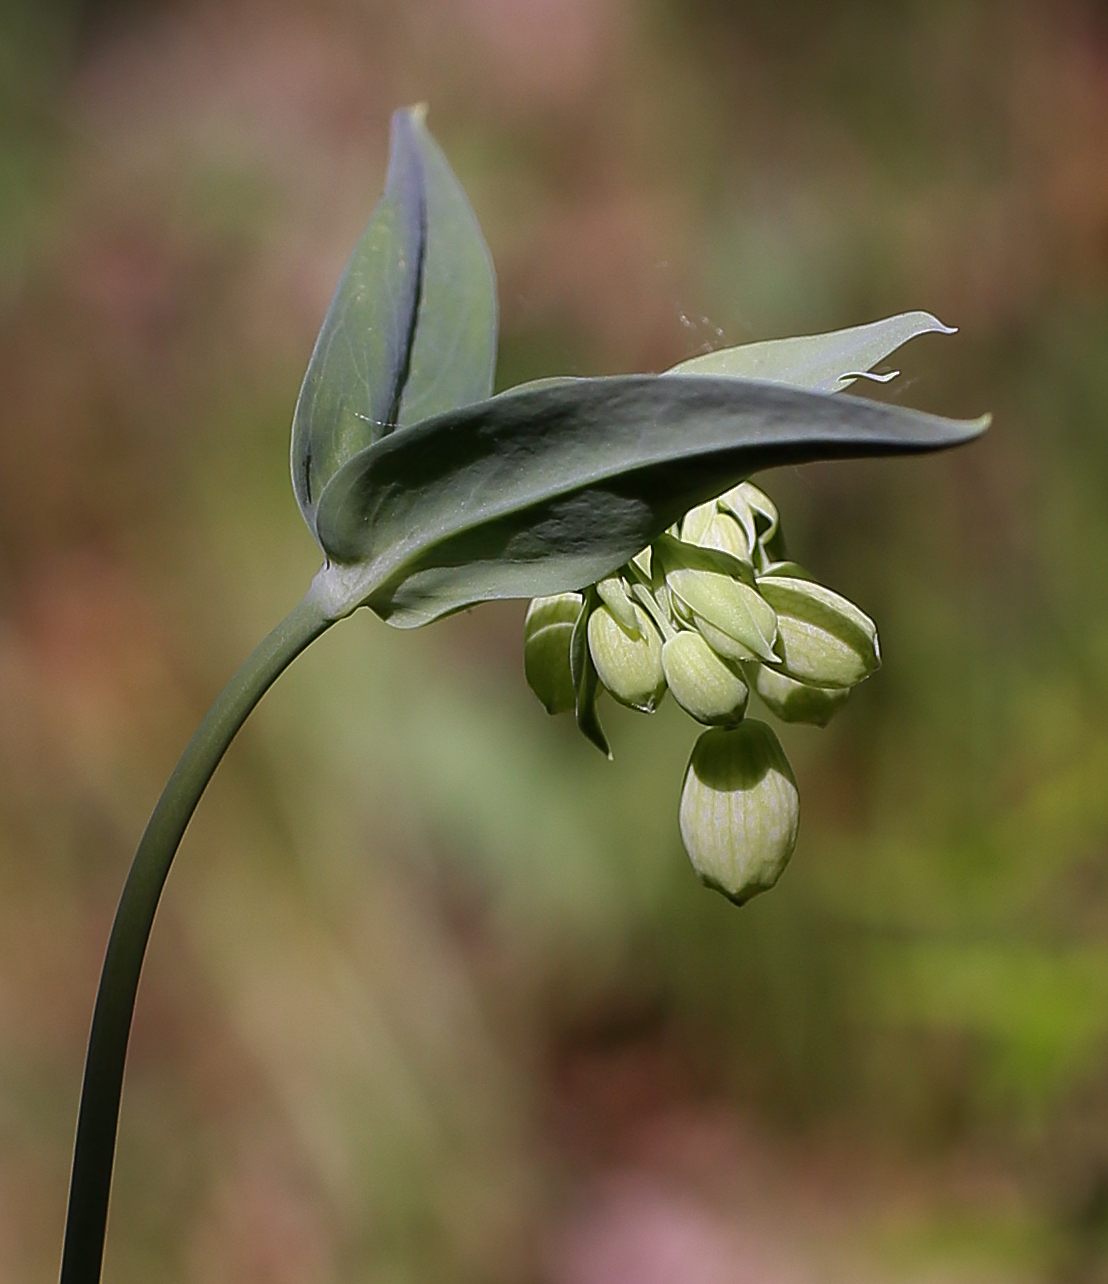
column 434, row 994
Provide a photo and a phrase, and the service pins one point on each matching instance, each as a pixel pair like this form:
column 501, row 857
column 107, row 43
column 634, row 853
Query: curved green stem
column 94, row 1151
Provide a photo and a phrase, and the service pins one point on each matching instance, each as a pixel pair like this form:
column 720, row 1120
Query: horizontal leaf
column 818, row 362
column 411, row 330
column 540, row 492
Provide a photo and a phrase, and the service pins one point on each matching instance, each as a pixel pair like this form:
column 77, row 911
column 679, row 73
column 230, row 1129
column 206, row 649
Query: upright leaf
column 818, row 362
column 585, row 681
column 453, row 358
column 543, row 491
column 361, row 357
column 411, row 330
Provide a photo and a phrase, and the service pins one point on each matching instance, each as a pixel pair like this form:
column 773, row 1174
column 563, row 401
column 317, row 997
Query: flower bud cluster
column 712, row 610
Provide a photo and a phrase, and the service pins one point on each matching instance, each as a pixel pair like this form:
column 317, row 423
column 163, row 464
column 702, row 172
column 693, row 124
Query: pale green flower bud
column 696, row 521
column 721, row 643
column 740, row 809
column 748, row 502
column 679, row 612
column 712, row 586
column 547, row 629
column 629, row 667
column 704, row 685
column 822, row 638
column 614, row 595
column 757, row 514
column 726, row 534
column 794, row 701
column 707, row 527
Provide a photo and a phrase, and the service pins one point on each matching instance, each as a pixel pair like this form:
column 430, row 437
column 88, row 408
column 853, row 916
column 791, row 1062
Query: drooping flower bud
column 704, row 685
column 740, row 809
column 547, row 629
column 712, row 587
column 822, row 638
column 642, row 561
column 794, row 701
column 629, row 667
column 757, row 514
column 679, row 612
column 721, row 643
column 726, row 534
column 614, row 595
column 709, row 527
column 696, row 521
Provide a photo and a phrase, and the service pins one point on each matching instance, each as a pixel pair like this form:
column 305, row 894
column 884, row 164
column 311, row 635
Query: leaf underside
column 819, row 362
column 545, row 490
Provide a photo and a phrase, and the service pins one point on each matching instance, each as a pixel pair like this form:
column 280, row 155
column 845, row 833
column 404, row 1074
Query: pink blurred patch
column 543, row 51
column 635, row 1230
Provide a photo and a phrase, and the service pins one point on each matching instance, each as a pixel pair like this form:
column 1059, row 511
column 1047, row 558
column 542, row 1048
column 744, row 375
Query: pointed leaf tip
column 819, row 362
column 411, row 330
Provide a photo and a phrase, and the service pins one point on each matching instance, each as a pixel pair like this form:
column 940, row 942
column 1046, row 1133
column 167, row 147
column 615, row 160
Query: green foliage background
column 431, row 976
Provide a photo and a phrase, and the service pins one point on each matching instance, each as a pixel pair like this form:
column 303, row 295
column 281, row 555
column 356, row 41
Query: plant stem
column 94, row 1150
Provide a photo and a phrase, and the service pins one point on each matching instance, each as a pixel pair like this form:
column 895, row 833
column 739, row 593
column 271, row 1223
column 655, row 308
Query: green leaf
column 453, row 358
column 540, row 492
column 411, row 330
column 586, row 683
column 818, row 362
column 357, row 371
